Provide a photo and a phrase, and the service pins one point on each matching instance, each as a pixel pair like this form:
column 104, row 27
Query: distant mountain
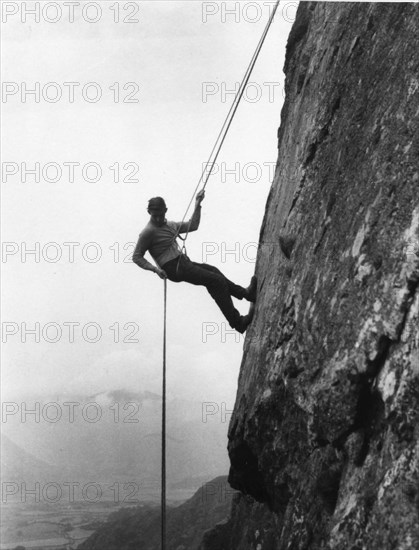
column 115, row 436
column 139, row 528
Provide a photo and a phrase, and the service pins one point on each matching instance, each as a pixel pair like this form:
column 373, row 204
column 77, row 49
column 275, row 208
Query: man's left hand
column 200, row 197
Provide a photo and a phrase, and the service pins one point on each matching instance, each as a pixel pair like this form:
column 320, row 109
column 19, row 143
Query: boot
column 245, row 320
column 251, row 290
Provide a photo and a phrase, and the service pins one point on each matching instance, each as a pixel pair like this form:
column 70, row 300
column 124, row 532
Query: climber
column 159, row 238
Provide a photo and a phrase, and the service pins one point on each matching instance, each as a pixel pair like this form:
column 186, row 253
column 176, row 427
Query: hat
column 157, row 204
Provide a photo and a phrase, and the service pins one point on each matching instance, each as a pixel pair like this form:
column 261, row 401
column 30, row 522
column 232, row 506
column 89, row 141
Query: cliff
column 324, row 435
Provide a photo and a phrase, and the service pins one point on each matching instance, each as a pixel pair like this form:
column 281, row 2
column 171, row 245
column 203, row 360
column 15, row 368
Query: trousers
column 220, row 288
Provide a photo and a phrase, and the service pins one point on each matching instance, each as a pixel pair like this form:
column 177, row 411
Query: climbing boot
column 245, row 320
column 251, row 290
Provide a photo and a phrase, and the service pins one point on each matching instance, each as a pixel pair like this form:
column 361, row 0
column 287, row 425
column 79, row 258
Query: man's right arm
column 143, row 244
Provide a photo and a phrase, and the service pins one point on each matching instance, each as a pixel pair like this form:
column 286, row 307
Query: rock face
column 325, row 428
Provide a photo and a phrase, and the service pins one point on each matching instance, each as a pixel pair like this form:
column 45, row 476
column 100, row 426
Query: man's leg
column 217, row 284
column 214, row 281
column 236, row 291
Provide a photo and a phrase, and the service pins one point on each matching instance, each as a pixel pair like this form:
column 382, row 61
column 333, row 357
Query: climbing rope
column 163, row 429
column 203, row 179
column 205, row 175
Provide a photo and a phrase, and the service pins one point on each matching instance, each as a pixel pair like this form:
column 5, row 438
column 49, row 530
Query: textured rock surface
column 325, row 427
column 250, row 525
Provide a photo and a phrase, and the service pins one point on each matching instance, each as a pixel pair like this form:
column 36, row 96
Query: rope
column 227, row 123
column 163, row 426
column 204, row 178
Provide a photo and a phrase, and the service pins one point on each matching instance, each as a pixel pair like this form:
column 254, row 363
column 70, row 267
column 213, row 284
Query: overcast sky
column 174, row 51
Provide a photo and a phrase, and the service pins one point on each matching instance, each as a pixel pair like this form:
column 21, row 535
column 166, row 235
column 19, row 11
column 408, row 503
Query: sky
column 149, row 97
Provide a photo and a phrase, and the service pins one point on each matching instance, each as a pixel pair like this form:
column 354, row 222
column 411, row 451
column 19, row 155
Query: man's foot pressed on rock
column 251, row 290
column 245, row 320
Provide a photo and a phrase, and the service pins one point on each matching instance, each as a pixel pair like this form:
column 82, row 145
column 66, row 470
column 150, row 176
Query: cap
column 157, row 204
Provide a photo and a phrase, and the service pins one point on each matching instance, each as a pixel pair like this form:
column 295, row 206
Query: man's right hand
column 161, row 273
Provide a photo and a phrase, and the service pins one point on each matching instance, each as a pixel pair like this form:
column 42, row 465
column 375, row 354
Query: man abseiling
column 159, row 239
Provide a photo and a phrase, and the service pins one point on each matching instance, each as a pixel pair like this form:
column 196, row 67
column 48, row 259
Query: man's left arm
column 193, row 223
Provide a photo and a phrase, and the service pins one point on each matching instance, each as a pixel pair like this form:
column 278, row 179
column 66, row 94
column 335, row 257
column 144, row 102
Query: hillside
column 139, row 528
